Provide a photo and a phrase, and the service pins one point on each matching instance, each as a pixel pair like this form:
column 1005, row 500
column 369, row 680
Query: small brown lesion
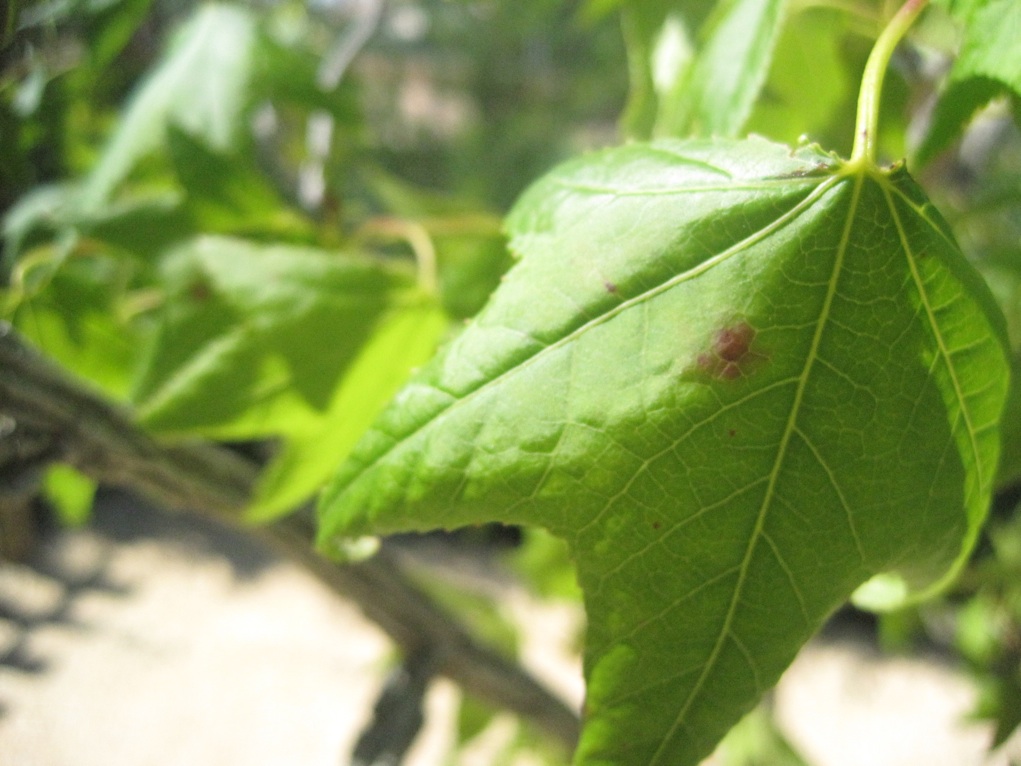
column 199, row 290
column 731, row 355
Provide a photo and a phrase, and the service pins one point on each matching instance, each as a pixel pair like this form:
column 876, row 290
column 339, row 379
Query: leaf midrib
column 766, row 184
column 789, row 429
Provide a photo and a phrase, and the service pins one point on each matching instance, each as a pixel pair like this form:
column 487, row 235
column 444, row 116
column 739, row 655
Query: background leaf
column 225, row 192
column 402, row 341
column 715, row 96
column 248, row 322
column 704, row 87
column 202, row 86
column 812, row 61
column 988, row 65
column 66, row 308
column 738, row 381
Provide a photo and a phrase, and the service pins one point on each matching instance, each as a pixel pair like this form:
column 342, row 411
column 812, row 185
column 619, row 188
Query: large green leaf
column 739, row 381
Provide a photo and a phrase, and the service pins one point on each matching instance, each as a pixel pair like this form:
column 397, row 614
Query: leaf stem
column 867, row 120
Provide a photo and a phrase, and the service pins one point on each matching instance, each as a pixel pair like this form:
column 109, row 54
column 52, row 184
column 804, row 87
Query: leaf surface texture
column 739, row 381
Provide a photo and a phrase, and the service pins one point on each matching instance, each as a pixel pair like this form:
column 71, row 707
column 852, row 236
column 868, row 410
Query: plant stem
column 867, row 121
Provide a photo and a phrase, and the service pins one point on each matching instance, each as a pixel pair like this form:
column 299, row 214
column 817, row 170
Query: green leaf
column 144, row 224
column 739, row 381
column 249, row 324
column 33, row 219
column 70, row 492
column 808, row 89
column 288, row 74
column 471, row 251
column 715, row 96
column 227, row 193
column 73, row 315
column 544, row 562
column 110, row 26
column 202, row 86
column 659, row 51
column 645, row 28
column 402, row 342
column 705, row 92
column 1010, row 459
column 989, row 65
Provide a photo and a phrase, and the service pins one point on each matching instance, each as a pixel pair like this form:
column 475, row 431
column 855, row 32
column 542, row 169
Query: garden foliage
column 738, row 374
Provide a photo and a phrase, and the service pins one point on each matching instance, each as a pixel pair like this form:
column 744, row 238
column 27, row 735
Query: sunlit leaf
column 247, row 323
column 715, row 94
column 202, row 86
column 739, row 381
column 314, row 446
column 698, row 85
column 988, row 65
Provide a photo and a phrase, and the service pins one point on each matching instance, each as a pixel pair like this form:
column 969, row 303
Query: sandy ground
column 150, row 639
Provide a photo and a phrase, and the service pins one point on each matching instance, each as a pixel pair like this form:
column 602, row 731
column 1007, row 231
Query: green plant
column 741, row 380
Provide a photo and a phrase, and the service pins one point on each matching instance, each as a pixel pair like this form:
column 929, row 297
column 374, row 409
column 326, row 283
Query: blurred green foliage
column 252, row 220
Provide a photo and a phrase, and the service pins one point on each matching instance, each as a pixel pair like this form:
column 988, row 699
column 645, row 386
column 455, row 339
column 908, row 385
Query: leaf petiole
column 867, row 120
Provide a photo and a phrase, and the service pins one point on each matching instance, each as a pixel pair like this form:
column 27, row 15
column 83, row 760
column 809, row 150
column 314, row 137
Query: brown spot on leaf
column 730, row 371
column 610, row 287
column 731, row 355
column 732, row 343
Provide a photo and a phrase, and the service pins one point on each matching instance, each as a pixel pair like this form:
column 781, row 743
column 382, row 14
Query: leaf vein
column 945, row 354
column 691, row 273
column 773, row 477
column 790, row 576
column 846, row 506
